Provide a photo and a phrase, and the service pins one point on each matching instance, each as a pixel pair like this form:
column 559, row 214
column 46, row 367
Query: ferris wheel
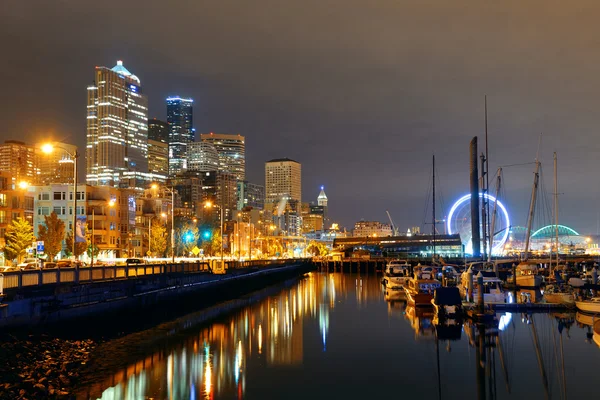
column 459, row 221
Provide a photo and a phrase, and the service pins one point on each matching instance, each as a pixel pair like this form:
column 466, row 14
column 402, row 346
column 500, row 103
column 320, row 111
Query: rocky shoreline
column 41, row 367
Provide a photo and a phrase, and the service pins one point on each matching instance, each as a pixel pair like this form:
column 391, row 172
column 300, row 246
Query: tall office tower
column 180, row 119
column 56, row 167
column 232, row 152
column 158, row 158
column 202, row 157
column 250, row 195
column 158, row 130
column 283, row 179
column 19, row 160
column 117, row 126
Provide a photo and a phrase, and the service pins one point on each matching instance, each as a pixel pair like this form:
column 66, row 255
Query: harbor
column 324, row 330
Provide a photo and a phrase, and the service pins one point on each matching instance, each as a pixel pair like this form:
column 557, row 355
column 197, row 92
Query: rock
column 40, row 388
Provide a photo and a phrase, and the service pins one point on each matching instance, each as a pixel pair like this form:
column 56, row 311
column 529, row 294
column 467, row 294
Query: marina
column 334, row 335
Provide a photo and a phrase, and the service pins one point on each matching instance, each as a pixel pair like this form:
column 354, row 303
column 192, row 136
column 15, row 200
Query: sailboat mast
column 493, row 224
column 555, row 211
column 536, row 178
column 433, row 208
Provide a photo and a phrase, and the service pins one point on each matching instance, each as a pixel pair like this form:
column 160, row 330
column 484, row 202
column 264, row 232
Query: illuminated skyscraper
column 117, row 126
column 181, row 132
column 56, row 167
column 158, row 130
column 202, row 157
column 19, row 160
column 232, row 152
column 158, row 159
column 283, row 179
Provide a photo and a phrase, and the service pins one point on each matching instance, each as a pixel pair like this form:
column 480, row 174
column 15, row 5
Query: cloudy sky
column 362, row 93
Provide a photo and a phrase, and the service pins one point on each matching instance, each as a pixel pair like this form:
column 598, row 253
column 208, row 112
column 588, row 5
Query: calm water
column 336, row 336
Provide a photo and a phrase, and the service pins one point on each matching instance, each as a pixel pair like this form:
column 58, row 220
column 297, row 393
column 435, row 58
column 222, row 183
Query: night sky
column 362, row 93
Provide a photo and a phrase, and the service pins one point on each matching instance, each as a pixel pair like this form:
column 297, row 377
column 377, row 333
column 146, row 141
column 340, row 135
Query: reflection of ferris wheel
column 459, row 221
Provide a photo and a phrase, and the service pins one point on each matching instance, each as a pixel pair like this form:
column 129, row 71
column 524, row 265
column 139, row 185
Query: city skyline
column 396, row 85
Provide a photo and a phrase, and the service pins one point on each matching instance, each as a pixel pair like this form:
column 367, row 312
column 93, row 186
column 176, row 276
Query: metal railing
column 40, row 277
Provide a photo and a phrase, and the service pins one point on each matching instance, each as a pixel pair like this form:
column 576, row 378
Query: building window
column 43, row 210
column 59, row 196
column 16, row 215
column 112, row 226
column 44, row 196
column 2, row 201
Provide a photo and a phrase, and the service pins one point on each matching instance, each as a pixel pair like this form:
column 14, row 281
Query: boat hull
column 529, row 281
column 418, row 299
column 588, row 307
column 560, row 298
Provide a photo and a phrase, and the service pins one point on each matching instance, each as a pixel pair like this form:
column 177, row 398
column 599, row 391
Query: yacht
column 492, row 286
column 447, row 303
column 527, row 275
column 419, row 289
column 397, row 272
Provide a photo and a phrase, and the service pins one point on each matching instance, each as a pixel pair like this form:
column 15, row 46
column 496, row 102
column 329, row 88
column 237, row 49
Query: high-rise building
column 283, row 178
column 117, row 126
column 371, row 228
column 158, row 130
column 57, row 166
column 202, row 157
column 232, row 152
column 19, row 160
column 158, row 158
column 181, row 132
column 250, row 195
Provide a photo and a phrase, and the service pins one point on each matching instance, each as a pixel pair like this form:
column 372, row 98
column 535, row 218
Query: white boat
column 527, row 275
column 397, row 272
column 492, row 286
column 590, row 306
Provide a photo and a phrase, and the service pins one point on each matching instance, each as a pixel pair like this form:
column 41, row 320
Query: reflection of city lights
column 259, row 338
column 207, row 373
column 504, row 321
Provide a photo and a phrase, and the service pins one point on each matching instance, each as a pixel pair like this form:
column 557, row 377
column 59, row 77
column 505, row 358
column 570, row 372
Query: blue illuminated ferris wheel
column 459, row 221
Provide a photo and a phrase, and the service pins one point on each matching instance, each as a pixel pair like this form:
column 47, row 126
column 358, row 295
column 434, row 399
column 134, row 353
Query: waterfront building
column 158, row 158
column 18, row 159
column 15, row 202
column 93, row 208
column 250, row 195
column 202, row 157
column 181, row 132
column 117, row 126
column 446, row 246
column 371, row 228
column 231, row 150
column 283, row 181
column 158, row 130
column 57, row 166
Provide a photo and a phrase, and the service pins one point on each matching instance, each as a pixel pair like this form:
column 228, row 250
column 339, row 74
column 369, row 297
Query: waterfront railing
column 39, row 277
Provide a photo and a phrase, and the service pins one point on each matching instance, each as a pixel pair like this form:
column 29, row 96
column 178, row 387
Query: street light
column 155, row 186
column 48, row 148
column 209, row 205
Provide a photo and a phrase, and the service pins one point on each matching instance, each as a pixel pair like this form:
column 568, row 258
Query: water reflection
column 287, row 345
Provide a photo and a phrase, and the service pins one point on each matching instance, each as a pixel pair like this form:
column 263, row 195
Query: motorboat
column 559, row 294
column 447, row 303
column 394, row 294
column 492, row 286
column 420, row 288
column 527, row 275
column 590, row 306
column 397, row 272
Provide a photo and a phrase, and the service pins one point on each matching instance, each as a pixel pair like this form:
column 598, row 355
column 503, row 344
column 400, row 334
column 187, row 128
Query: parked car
column 133, row 261
column 68, row 264
column 29, row 266
column 7, row 269
column 49, row 265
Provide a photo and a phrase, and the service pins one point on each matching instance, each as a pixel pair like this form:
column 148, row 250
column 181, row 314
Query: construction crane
column 394, row 227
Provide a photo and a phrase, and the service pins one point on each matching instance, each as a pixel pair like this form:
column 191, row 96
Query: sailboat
column 558, row 293
column 421, row 286
column 527, row 271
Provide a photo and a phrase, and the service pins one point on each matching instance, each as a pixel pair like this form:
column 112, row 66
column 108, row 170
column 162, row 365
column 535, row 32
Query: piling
column 480, row 291
column 470, row 287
